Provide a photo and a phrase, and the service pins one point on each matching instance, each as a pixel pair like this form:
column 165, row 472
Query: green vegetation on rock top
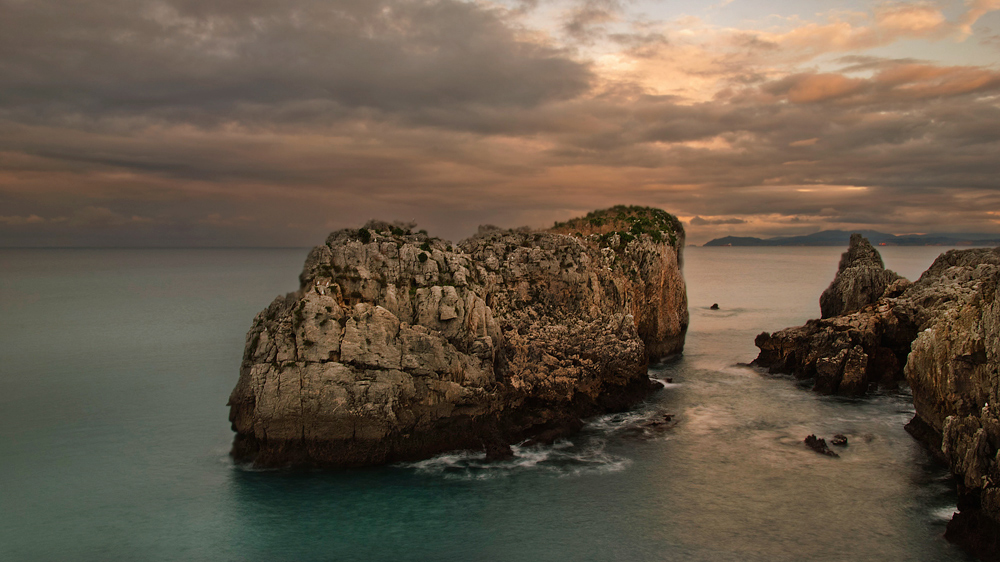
column 627, row 222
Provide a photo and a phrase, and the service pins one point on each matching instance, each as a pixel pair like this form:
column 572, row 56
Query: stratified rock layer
column 398, row 346
column 943, row 334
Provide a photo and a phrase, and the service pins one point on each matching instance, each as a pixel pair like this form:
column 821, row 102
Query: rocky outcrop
column 861, row 280
column 852, row 352
column 954, row 372
column 948, row 322
column 398, row 346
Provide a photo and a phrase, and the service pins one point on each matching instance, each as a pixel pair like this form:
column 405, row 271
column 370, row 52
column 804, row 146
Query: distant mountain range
column 842, row 237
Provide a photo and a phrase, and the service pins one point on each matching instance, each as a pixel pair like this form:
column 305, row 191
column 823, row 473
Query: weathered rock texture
column 849, row 353
column 943, row 333
column 398, row 346
column 954, row 372
column 861, row 280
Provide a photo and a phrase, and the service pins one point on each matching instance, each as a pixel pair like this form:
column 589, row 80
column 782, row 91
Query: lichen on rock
column 398, row 346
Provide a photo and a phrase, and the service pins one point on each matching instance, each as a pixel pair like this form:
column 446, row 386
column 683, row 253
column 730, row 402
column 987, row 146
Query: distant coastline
column 841, row 237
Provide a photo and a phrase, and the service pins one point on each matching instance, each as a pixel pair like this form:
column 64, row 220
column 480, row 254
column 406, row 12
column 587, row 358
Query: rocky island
column 399, row 346
column 942, row 335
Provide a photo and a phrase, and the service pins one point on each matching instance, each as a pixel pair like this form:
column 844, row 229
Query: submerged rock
column 942, row 333
column 398, row 346
column 819, row 445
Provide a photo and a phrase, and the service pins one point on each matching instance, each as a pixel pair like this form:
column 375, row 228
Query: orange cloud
column 884, row 26
column 900, row 83
column 906, row 19
column 823, row 87
column 977, row 9
column 926, row 81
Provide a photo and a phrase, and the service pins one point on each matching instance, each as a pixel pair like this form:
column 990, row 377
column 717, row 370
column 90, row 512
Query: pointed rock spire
column 861, row 280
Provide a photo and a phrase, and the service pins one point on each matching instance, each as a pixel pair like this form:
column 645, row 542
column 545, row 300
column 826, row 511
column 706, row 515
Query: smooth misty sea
column 115, row 368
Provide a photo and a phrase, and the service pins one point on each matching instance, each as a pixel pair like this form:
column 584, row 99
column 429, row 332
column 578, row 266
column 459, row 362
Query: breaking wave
column 587, row 452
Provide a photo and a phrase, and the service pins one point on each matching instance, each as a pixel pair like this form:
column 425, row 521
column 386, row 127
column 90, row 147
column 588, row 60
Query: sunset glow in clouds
column 262, row 122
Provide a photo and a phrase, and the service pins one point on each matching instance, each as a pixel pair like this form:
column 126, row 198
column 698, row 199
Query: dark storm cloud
column 219, row 59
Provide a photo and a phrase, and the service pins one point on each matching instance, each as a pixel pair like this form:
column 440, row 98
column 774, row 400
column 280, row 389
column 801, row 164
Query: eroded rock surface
column 942, row 333
column 861, row 280
column 398, row 346
column 849, row 353
column 954, row 372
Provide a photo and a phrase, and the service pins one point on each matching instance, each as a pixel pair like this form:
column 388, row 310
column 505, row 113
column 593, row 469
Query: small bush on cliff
column 422, row 257
column 364, row 235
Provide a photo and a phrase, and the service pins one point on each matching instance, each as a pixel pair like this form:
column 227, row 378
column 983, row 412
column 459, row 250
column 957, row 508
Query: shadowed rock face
column 944, row 333
column 398, row 346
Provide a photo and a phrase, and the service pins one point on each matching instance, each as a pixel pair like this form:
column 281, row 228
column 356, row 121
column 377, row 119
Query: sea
column 115, row 368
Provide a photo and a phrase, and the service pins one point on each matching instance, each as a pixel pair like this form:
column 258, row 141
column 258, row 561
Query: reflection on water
column 115, row 438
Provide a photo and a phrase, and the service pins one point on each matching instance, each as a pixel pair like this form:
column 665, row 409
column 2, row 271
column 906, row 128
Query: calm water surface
column 115, row 367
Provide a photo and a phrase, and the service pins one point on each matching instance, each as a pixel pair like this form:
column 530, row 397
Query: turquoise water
column 115, row 367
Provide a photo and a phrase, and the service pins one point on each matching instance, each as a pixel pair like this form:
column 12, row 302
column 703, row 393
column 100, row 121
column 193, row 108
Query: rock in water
column 818, row 444
column 860, row 281
column 848, row 353
column 398, row 346
column 943, row 334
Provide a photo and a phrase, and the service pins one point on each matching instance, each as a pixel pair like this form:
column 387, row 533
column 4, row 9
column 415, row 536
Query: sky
column 272, row 122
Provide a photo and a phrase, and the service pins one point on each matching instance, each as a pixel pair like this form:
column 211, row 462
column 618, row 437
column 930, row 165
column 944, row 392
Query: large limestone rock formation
column 944, row 332
column 399, row 346
column 954, row 372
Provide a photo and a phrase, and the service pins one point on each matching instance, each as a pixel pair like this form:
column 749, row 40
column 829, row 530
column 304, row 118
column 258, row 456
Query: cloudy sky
column 271, row 122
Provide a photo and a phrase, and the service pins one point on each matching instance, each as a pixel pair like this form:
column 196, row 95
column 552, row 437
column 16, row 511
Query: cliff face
column 954, row 372
column 399, row 346
column 944, row 332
